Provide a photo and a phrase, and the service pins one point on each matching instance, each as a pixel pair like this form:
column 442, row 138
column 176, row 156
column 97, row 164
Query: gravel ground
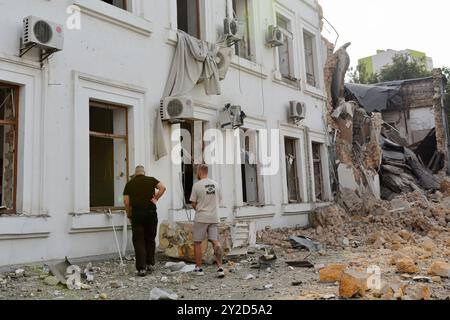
column 279, row 281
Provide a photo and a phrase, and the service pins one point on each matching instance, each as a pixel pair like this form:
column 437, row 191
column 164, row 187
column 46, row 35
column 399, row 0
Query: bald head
column 140, row 171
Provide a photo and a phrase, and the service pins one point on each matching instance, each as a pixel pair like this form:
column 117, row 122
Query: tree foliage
column 403, row 67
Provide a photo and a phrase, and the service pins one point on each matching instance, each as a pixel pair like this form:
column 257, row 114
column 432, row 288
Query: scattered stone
column 193, row 288
column 164, row 279
column 116, row 284
column 428, row 245
column 406, row 265
column 103, row 296
column 20, row 272
column 436, row 279
column 420, row 292
column 422, row 279
column 332, row 273
column 346, row 242
column 86, row 287
column 52, row 281
column 158, row 294
column 268, row 286
column 440, row 268
column 249, row 277
column 353, row 283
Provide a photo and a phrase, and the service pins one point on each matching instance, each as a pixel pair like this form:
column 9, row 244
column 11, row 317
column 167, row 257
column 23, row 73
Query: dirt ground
column 280, row 281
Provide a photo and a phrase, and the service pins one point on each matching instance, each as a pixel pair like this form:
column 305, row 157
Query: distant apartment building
column 374, row 64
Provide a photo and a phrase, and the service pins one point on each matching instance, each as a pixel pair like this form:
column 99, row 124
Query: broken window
column 249, row 167
column 108, row 154
column 290, row 146
column 318, row 173
column 310, row 59
column 118, row 3
column 241, row 11
column 285, row 52
column 188, row 17
column 8, row 146
column 191, row 154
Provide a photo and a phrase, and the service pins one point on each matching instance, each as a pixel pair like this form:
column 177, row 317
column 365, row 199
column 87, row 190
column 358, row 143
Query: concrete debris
column 332, row 273
column 353, row 283
column 176, row 240
column 52, row 281
column 159, row 294
column 179, row 267
column 440, row 268
column 303, row 243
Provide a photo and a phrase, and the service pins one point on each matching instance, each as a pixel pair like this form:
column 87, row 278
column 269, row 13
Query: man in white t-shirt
column 205, row 200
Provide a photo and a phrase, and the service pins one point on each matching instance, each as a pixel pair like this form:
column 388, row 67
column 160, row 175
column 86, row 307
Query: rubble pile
column 384, row 224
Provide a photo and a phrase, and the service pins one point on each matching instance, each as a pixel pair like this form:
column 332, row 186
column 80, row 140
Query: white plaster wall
column 130, row 54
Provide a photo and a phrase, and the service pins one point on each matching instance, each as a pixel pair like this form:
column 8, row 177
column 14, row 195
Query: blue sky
column 391, row 24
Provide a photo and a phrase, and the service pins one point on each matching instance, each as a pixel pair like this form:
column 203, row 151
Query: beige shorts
column 202, row 230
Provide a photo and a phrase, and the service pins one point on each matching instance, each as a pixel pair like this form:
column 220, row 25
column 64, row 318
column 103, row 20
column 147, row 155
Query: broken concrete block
column 353, row 283
column 428, row 244
column 440, row 268
column 406, row 265
column 420, row 292
column 332, row 273
column 176, row 239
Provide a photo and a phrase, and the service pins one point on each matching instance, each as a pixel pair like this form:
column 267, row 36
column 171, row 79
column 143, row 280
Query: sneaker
column 199, row 271
column 142, row 273
column 220, row 273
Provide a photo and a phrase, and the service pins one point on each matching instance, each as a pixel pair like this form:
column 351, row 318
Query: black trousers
column 145, row 225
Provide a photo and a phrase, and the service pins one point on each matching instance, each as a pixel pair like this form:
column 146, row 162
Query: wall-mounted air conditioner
column 232, row 117
column 177, row 108
column 43, row 34
column 297, row 111
column 223, row 60
column 275, row 37
column 231, row 30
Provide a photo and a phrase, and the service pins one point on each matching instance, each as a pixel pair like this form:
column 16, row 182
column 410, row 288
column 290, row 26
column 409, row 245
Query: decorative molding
column 109, row 83
column 20, row 61
column 249, row 67
column 249, row 212
column 96, row 222
column 23, row 227
column 116, row 16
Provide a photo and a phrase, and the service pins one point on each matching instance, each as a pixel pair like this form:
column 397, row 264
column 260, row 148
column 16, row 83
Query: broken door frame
column 320, row 138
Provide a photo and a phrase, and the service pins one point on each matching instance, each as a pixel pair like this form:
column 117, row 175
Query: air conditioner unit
column 177, row 108
column 231, row 29
column 42, row 33
column 223, row 60
column 275, row 37
column 297, row 111
column 232, row 117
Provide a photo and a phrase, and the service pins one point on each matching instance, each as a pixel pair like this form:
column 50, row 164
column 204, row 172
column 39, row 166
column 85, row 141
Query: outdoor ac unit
column 231, row 29
column 223, row 60
column 177, row 108
column 42, row 33
column 275, row 37
column 232, row 117
column 297, row 110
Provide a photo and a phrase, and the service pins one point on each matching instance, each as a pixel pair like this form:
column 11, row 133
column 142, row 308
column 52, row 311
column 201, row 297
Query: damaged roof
column 378, row 97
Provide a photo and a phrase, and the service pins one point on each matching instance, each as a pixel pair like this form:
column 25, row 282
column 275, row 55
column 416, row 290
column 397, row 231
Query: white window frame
column 32, row 132
column 206, row 20
column 320, row 138
column 290, row 16
column 293, row 132
column 86, row 88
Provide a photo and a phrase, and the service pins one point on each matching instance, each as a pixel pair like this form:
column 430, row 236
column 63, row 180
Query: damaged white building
column 78, row 117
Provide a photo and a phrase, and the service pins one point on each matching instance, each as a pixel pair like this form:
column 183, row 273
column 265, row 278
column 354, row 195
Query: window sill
column 116, row 16
column 23, row 227
column 315, row 92
column 278, row 79
column 253, row 212
column 296, row 208
column 249, row 67
column 97, row 222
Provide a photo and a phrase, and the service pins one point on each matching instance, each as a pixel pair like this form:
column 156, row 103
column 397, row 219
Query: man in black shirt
column 140, row 202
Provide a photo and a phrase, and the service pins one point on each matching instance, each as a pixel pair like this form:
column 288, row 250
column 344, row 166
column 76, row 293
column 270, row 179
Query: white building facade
column 74, row 128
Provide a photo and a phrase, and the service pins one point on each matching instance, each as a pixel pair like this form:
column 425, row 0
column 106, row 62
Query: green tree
column 402, row 67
